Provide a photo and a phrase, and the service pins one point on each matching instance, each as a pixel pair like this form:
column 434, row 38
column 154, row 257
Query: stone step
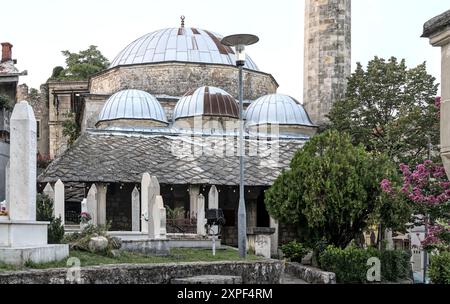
column 208, row 279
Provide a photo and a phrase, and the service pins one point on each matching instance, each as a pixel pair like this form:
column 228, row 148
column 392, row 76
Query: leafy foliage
column 390, row 108
column 440, row 268
column 44, row 213
column 332, row 193
column 175, row 213
column 295, row 251
column 350, row 264
column 80, row 66
column 71, row 128
column 5, row 102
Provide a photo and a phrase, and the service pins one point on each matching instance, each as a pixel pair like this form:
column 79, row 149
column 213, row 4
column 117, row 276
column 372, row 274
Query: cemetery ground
column 177, row 255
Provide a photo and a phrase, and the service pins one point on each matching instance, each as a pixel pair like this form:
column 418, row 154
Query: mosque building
column 167, row 106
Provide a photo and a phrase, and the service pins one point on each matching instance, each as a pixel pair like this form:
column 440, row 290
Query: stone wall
column 264, row 272
column 175, row 79
column 327, row 55
column 310, row 274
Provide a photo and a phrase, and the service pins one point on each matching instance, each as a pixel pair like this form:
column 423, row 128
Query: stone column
column 201, row 221
column 274, row 237
column 48, row 190
column 59, row 203
column 92, row 204
column 194, row 191
column 145, row 185
column 22, row 202
column 438, row 31
column 154, row 212
column 101, row 196
column 84, row 207
column 135, row 210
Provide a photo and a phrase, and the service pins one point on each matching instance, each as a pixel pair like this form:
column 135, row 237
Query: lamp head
column 239, row 42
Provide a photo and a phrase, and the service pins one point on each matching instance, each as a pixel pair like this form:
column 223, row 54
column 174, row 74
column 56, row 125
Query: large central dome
column 179, row 44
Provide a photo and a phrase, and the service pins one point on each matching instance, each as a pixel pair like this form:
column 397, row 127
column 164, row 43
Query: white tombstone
column 135, row 210
column 145, row 185
column 154, row 209
column 22, row 173
column 92, row 204
column 194, row 191
column 161, row 218
column 48, row 190
column 84, row 207
column 22, row 238
column 101, row 197
column 213, row 198
column 213, row 203
column 59, row 202
column 201, row 220
column 262, row 245
column 7, row 186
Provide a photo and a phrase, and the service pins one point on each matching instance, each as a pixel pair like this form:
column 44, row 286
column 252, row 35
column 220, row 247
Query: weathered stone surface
column 310, row 274
column 327, row 55
column 48, row 190
column 175, row 79
column 264, row 272
column 145, row 199
column 98, row 244
column 208, row 279
column 436, row 24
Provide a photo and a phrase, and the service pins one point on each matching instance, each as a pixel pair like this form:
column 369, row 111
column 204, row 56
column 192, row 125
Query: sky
column 40, row 30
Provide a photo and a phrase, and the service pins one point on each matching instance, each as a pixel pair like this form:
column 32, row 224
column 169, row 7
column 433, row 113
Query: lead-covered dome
column 179, row 44
column 277, row 109
column 279, row 113
column 132, row 108
column 206, row 101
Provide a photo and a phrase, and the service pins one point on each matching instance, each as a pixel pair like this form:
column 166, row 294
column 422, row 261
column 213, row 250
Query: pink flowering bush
column 427, row 189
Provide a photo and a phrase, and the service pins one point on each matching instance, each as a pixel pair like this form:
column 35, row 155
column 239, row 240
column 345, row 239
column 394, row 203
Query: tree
column 390, row 108
column 80, row 66
column 71, row 128
column 44, row 213
column 332, row 191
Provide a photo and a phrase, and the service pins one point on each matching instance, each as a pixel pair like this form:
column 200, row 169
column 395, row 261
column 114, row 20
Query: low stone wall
column 260, row 272
column 310, row 274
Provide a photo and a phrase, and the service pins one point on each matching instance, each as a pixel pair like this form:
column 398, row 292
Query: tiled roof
column 117, row 157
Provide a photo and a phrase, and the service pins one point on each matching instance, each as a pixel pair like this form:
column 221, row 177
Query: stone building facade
column 327, row 61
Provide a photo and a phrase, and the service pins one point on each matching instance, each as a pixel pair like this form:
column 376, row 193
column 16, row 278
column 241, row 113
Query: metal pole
column 242, row 214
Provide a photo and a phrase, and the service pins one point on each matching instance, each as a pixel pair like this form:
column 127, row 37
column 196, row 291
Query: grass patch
column 178, row 255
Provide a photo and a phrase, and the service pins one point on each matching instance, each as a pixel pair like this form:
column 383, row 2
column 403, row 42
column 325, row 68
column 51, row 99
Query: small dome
column 277, row 109
column 206, row 101
column 179, row 44
column 132, row 105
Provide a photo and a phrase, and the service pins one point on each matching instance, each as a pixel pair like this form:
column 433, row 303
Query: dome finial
column 182, row 20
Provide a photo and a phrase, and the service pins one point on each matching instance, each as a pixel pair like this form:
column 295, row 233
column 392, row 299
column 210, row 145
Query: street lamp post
column 239, row 42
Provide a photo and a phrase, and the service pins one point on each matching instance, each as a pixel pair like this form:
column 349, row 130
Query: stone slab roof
column 436, row 24
column 118, row 157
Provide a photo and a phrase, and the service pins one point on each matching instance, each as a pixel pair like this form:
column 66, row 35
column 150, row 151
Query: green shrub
column 440, row 268
column 295, row 251
column 395, row 264
column 44, row 213
column 350, row 264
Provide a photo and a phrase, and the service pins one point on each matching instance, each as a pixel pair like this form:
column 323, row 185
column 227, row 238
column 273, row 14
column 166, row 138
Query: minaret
column 327, row 62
